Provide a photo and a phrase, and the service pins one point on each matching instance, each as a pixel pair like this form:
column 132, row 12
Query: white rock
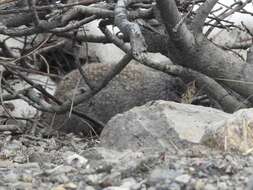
column 75, row 160
column 183, row 179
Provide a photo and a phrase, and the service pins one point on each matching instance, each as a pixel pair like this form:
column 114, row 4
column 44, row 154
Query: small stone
column 128, row 182
column 222, row 185
column 68, row 186
column 62, row 178
column 11, row 177
column 95, row 178
column 22, row 186
column 27, row 178
column 5, row 163
column 210, row 187
column 28, row 166
column 183, row 179
column 158, row 175
column 76, row 160
column 174, row 186
column 114, row 179
column 224, row 177
column 7, row 132
column 89, row 188
column 199, row 185
column 191, row 170
column 60, row 187
column 60, row 169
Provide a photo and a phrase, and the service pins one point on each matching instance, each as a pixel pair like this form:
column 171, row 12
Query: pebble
column 222, row 185
column 60, row 169
column 64, row 169
column 89, row 188
column 67, row 186
column 210, row 187
column 184, row 179
column 174, row 186
column 76, row 160
column 199, row 185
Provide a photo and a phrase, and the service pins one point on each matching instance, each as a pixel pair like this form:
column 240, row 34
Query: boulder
column 159, row 125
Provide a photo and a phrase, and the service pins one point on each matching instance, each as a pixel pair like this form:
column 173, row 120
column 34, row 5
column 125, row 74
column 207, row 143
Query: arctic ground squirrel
column 134, row 86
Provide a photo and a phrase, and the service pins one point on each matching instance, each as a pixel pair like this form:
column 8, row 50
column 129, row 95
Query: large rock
column 134, row 86
column 160, row 124
column 232, row 134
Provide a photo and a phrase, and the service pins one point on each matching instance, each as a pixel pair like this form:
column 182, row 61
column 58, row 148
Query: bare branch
column 32, row 6
column 130, row 29
column 214, row 89
column 228, row 13
column 201, row 15
column 171, row 17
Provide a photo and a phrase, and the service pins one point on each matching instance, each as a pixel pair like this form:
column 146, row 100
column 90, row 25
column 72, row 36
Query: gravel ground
column 69, row 162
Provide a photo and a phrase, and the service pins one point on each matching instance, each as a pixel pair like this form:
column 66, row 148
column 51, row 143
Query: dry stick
column 24, row 96
column 31, row 99
column 14, row 96
column 97, row 88
column 130, row 29
column 46, row 7
column 44, row 92
column 73, row 26
column 46, row 26
column 85, row 38
column 216, row 17
column 1, row 97
column 11, row 128
column 61, row 108
column 201, row 15
column 232, row 11
column 214, row 89
column 14, row 67
column 32, row 7
column 78, row 64
column 6, row 1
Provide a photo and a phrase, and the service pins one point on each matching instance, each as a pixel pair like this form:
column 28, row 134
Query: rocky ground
column 69, row 162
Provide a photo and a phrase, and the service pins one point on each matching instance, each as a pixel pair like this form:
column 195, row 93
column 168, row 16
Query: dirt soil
column 70, row 162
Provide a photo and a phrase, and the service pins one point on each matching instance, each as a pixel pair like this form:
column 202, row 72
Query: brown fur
column 134, row 86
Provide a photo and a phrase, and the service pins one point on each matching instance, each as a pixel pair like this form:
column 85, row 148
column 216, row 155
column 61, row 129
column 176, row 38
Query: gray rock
column 60, row 169
column 174, row 186
column 160, row 124
column 236, row 129
column 89, row 188
column 75, row 160
column 250, row 183
column 161, row 175
column 184, row 179
column 210, row 187
column 22, row 186
column 222, row 185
